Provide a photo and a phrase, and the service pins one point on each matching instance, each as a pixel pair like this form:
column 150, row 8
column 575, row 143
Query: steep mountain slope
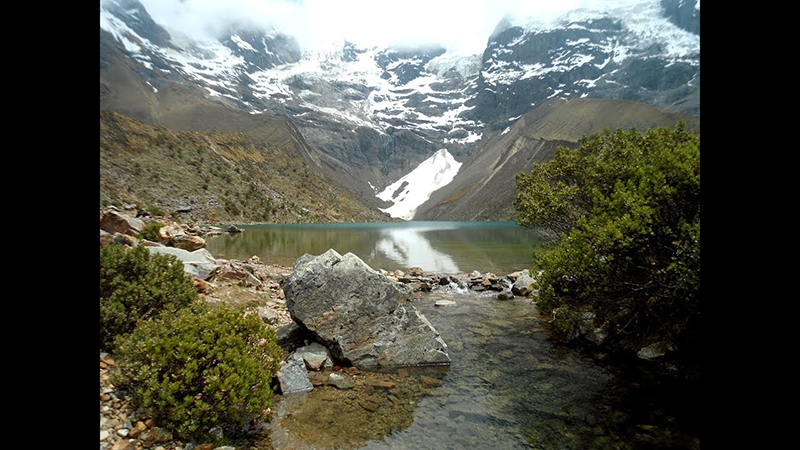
column 222, row 176
column 485, row 186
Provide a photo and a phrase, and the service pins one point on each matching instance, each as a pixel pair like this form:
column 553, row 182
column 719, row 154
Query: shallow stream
column 509, row 384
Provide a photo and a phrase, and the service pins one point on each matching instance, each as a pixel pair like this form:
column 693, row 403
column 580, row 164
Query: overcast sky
column 463, row 25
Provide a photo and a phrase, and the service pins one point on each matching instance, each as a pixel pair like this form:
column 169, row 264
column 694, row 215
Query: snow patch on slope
column 414, row 189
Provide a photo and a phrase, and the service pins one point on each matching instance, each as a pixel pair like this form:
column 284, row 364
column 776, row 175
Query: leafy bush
column 202, row 367
column 150, row 231
column 627, row 208
column 136, row 285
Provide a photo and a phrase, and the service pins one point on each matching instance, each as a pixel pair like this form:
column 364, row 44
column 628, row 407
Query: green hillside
column 218, row 177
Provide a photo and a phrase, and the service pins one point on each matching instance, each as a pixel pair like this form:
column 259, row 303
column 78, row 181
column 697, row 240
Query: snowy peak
column 626, row 49
column 414, row 189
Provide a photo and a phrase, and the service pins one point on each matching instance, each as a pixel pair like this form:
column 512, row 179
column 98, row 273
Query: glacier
column 415, row 188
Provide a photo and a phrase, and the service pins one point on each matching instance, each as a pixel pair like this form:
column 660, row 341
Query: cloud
column 463, row 25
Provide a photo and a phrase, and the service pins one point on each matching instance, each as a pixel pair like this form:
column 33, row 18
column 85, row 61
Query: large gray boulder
column 361, row 316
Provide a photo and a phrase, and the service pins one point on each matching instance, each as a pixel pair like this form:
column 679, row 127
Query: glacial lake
column 446, row 247
column 510, row 385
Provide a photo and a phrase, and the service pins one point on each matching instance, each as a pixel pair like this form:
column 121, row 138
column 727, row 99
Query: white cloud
column 463, row 25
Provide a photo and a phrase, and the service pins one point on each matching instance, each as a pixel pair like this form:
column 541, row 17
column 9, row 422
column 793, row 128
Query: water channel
column 510, row 385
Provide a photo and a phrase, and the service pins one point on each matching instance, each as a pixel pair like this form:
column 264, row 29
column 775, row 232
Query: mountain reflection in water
column 447, row 247
column 408, row 247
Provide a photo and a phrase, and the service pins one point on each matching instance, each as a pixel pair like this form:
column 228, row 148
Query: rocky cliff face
column 627, row 53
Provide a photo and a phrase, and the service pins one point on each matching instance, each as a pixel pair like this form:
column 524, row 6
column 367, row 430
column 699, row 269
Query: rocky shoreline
column 255, row 286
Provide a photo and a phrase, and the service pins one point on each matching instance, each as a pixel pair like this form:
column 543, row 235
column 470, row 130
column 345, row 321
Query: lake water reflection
column 447, row 247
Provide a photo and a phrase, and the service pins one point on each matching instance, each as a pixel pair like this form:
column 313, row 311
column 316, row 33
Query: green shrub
column 202, row 367
column 627, row 208
column 156, row 211
column 150, row 231
column 136, row 285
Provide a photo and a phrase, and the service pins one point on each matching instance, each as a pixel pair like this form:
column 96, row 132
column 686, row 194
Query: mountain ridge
column 366, row 117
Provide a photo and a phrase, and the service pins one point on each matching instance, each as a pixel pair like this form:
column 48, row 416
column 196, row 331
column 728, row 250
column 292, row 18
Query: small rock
column 381, row 384
column 428, row 382
column 315, row 356
column 137, row 430
column 123, row 445
column 107, row 360
column 267, row 315
column 340, row 381
column 155, row 435
column 202, row 286
column 522, row 285
column 104, row 435
column 505, row 295
column 368, row 405
column 292, row 376
column 653, row 351
column 444, row 303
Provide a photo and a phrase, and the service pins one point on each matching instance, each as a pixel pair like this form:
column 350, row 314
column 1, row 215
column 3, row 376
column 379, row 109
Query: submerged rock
column 505, row 295
column 444, row 303
column 293, row 377
column 361, row 316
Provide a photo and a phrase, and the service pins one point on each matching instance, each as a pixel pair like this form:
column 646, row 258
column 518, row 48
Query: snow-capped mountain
column 374, row 114
column 630, row 51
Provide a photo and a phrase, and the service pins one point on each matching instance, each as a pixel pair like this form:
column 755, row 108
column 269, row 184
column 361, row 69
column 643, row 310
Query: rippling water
column 509, row 385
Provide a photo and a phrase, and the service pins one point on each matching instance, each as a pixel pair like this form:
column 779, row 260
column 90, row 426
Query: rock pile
column 516, row 283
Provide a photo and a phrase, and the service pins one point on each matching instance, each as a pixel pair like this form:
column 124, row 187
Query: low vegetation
column 136, row 285
column 626, row 206
column 216, row 177
column 193, row 366
column 200, row 368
